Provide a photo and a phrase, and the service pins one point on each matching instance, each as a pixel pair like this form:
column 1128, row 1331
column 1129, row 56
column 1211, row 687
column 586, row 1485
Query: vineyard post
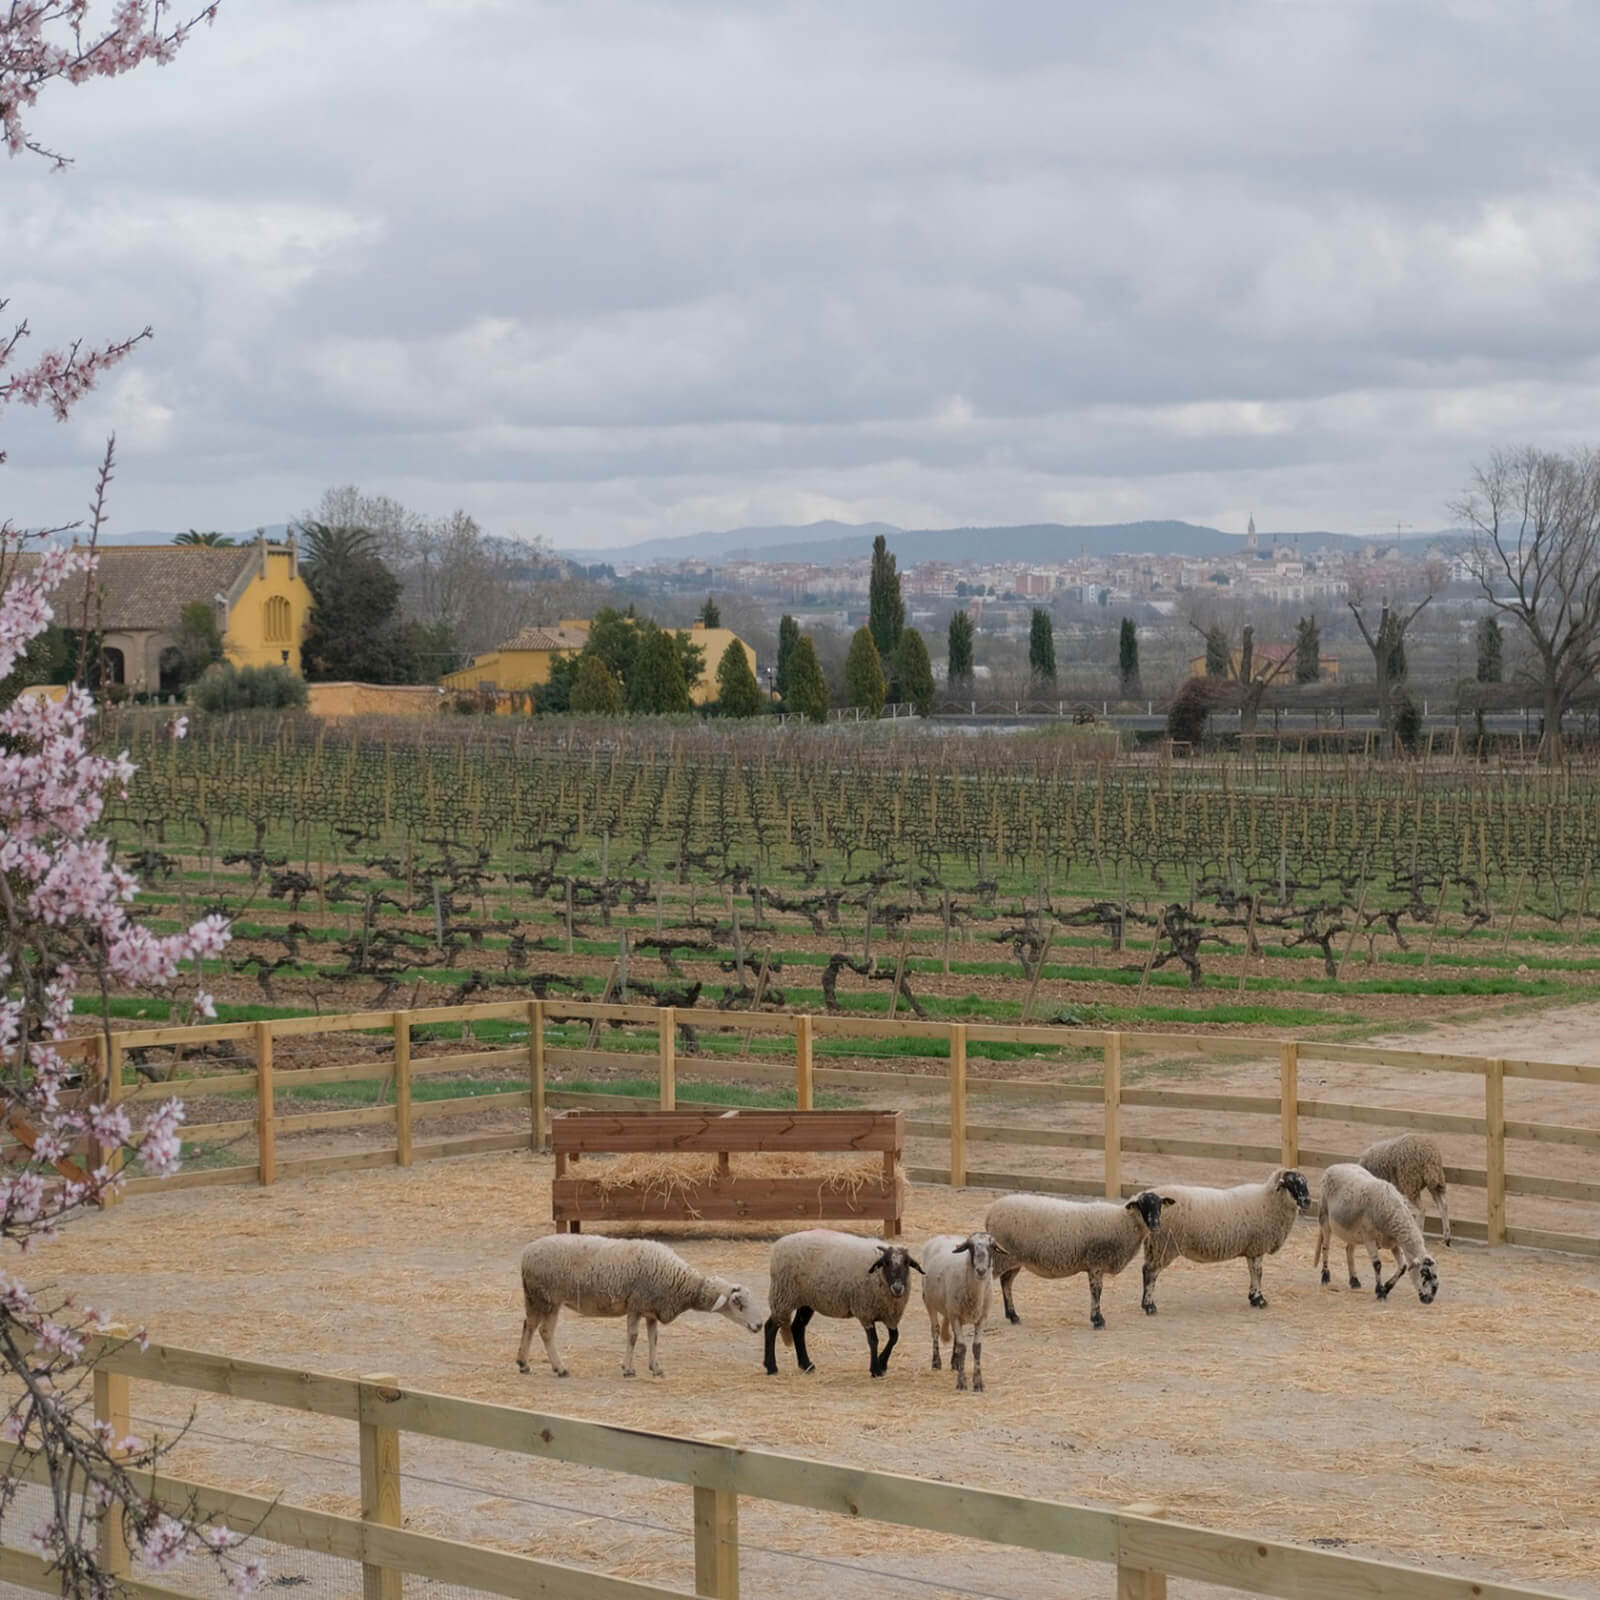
column 569, row 916
column 1355, row 925
column 1289, row 1101
column 667, row 1048
column 947, row 932
column 804, row 1063
column 438, row 918
column 1111, row 1077
column 401, row 1021
column 1494, row 1127
column 266, row 1134
column 1516, row 908
column 958, row 1105
column 738, row 939
column 1433, row 931
column 380, row 1481
column 536, row 1070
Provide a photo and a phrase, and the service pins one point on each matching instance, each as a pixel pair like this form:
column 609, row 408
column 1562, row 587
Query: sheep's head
column 981, row 1247
column 740, row 1305
column 895, row 1263
column 1148, row 1207
column 1427, row 1280
column 1296, row 1187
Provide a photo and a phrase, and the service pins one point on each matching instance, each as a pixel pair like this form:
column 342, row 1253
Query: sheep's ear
column 877, row 1266
column 720, row 1302
column 964, row 1248
column 1168, row 1200
column 911, row 1261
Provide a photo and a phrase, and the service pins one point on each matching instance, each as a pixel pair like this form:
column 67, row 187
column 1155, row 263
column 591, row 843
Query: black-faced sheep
column 632, row 1278
column 1247, row 1222
column 1412, row 1162
column 957, row 1288
column 1358, row 1208
column 820, row 1271
column 1061, row 1238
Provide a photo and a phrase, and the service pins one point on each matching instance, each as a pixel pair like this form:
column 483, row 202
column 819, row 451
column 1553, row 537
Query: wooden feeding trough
column 678, row 1167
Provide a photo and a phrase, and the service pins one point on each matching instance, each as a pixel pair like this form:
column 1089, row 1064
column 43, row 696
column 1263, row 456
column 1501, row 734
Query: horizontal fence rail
column 540, row 1063
column 1144, row 1549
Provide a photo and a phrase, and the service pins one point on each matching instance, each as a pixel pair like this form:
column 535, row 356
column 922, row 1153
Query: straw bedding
column 1462, row 1432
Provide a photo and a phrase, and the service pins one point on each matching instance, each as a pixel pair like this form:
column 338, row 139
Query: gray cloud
column 619, row 269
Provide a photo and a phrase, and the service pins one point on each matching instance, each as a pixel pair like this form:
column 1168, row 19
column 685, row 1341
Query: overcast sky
column 602, row 271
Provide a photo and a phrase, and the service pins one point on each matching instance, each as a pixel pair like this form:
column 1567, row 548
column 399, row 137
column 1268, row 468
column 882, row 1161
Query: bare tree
column 1384, row 642
column 1251, row 677
column 1535, row 522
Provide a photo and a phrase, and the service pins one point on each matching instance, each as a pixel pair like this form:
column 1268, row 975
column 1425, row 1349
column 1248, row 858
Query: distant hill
column 832, row 543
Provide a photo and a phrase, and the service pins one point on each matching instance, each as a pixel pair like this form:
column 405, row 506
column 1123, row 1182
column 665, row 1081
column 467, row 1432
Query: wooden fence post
column 380, row 1481
column 113, row 1408
column 402, row 1088
column 667, row 1023
column 958, row 1104
column 1289, row 1101
column 266, row 1133
column 716, row 1537
column 1139, row 1583
column 108, row 1058
column 536, row 1070
column 1494, row 1127
column 802, row 1062
column 1112, row 1083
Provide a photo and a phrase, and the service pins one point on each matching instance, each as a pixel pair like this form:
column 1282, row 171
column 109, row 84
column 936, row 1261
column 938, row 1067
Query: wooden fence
column 1285, row 1113
column 1144, row 1549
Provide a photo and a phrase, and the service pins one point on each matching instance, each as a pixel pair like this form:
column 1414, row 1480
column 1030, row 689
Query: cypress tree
column 1491, row 651
column 1128, row 656
column 914, row 671
column 863, row 674
column 808, row 689
column 788, row 638
column 1042, row 644
column 1307, row 651
column 886, row 611
column 595, row 691
column 960, row 648
column 738, row 693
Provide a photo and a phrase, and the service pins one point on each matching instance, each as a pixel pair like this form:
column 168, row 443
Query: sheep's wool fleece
column 1058, row 1238
column 830, row 1272
column 1249, row 1220
column 600, row 1277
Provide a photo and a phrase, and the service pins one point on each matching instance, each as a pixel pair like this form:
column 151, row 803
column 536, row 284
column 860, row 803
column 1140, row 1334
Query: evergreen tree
column 554, row 696
column 886, row 611
column 1128, row 656
column 808, row 689
column 1042, row 644
column 1219, row 655
column 657, row 684
column 709, row 614
column 788, row 638
column 355, row 631
column 595, row 691
column 914, row 671
column 1307, row 651
column 1491, row 651
column 863, row 674
column 738, row 693
column 960, row 648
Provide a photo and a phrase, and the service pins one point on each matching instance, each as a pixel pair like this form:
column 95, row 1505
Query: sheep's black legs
column 1096, row 1281
column 883, row 1361
column 771, row 1363
column 801, row 1318
column 1148, row 1298
column 977, row 1360
column 1257, row 1299
column 1006, row 1280
column 872, row 1349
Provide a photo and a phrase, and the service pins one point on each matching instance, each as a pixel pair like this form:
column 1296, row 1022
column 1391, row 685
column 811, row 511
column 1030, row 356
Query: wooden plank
column 536, row 1073
column 209, row 1178
column 402, row 1089
column 1201, row 1148
column 1265, row 1566
column 1551, row 1071
column 1390, row 1117
column 1014, row 1182
column 355, row 1161
column 1111, row 1095
column 593, row 1011
column 1494, row 1145
column 358, row 1117
column 1408, row 1060
column 1202, row 1044
column 732, row 1199
column 487, row 1144
column 716, row 1531
column 1554, row 1133
column 201, row 1131
column 487, row 1011
column 637, row 1064
column 1552, row 1188
column 735, row 1071
column 380, row 1488
column 1085, row 1039
column 1084, row 1094
column 462, row 1104
column 958, row 1105
column 351, row 1022
column 1288, row 1097
column 803, row 1065
column 195, row 1083
column 32, row 1572
column 1577, row 1244
column 739, row 1130
column 993, row 1133
column 244, row 1380
column 1264, row 1105
column 880, row 1028
column 513, row 1058
column 667, row 1056
column 185, row 1034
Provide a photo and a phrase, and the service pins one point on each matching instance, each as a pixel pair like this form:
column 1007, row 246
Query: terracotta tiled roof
column 147, row 586
column 548, row 639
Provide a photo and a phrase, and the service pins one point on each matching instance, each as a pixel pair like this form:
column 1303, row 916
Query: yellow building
column 523, row 663
column 254, row 593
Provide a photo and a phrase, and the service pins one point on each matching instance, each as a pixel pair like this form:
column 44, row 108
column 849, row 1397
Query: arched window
column 275, row 619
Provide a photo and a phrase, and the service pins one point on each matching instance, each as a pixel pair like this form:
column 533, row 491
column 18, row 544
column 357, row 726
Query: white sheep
column 1358, row 1208
column 1061, row 1238
column 837, row 1275
column 957, row 1287
column 1248, row 1222
column 1412, row 1162
column 633, row 1278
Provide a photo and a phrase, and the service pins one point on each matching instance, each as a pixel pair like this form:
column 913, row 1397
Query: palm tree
column 329, row 548
column 213, row 540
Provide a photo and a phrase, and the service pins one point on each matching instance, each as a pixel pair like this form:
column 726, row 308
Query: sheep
column 1360, row 1208
column 1412, row 1162
column 635, row 1278
column 1061, row 1238
column 838, row 1275
column 1251, row 1221
column 957, row 1287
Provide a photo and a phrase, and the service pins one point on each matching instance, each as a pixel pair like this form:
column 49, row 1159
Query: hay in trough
column 676, row 1178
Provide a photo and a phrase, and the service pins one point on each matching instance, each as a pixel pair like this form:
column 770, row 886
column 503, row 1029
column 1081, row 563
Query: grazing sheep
column 1359, row 1208
column 838, row 1275
column 600, row 1277
column 1061, row 1238
column 957, row 1287
column 1412, row 1162
column 1249, row 1222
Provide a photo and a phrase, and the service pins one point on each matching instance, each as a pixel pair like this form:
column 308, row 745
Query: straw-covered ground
column 1461, row 1435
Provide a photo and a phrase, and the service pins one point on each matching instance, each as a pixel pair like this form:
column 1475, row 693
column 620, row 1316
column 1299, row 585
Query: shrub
column 1407, row 720
column 1192, row 707
column 225, row 687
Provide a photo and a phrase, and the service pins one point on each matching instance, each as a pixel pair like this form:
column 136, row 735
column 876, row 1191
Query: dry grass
column 1463, row 1433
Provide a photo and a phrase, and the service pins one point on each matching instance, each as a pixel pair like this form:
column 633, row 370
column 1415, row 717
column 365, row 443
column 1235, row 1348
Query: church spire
column 1250, row 534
